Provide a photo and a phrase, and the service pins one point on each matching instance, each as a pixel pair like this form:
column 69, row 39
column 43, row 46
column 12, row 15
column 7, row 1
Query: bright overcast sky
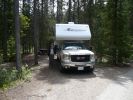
column 55, row 9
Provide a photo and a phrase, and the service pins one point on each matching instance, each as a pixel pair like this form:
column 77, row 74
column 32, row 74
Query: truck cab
column 75, row 55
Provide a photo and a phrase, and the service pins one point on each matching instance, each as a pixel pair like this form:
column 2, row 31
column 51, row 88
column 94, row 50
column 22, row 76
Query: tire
column 91, row 70
column 62, row 70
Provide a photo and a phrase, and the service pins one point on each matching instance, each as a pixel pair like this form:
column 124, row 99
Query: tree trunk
column 53, row 8
column 35, row 33
column 78, row 11
column 59, row 11
column 69, row 11
column 114, row 32
column 5, row 32
column 17, row 32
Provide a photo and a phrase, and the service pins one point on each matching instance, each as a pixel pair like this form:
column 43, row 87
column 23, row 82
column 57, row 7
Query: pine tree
column 5, row 35
column 69, row 19
column 59, row 11
column 35, row 33
column 117, row 32
column 17, row 32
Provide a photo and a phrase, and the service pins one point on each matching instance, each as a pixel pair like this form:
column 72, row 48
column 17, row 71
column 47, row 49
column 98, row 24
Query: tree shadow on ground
column 52, row 74
column 29, row 60
column 119, row 75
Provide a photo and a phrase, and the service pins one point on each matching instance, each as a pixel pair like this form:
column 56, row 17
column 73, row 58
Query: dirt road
column 107, row 83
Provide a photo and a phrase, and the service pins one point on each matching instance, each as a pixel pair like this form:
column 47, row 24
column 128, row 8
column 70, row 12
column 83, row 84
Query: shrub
column 24, row 73
column 8, row 76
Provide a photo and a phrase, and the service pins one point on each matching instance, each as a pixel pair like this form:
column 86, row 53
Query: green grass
column 10, row 76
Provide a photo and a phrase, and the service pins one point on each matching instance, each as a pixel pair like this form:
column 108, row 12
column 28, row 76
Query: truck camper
column 72, row 52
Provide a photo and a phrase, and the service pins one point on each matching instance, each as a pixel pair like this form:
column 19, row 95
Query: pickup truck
column 72, row 52
column 75, row 55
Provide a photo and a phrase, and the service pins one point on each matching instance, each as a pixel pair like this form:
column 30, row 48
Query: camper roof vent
column 70, row 22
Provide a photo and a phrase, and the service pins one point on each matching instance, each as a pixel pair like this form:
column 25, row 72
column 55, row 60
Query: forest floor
column 106, row 83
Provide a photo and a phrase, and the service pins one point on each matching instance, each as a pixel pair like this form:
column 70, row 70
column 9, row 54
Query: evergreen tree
column 17, row 32
column 35, row 33
column 118, row 35
column 99, row 36
column 59, row 11
column 69, row 11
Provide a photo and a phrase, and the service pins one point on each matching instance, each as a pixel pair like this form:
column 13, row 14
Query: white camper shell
column 72, row 31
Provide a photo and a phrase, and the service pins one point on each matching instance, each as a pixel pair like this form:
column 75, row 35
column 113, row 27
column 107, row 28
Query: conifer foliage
column 110, row 21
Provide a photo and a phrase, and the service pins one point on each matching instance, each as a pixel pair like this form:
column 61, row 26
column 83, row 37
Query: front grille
column 80, row 58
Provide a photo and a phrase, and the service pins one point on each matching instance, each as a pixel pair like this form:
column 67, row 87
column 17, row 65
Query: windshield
column 73, row 46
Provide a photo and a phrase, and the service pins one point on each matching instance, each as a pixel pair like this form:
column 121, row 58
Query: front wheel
column 62, row 70
column 91, row 70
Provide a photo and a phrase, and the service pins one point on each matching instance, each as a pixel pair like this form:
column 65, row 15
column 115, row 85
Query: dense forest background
column 28, row 25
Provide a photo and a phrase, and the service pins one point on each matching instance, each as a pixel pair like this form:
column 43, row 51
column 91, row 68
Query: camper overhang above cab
column 72, row 31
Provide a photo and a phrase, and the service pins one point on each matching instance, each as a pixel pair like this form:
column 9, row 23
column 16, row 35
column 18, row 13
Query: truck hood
column 78, row 52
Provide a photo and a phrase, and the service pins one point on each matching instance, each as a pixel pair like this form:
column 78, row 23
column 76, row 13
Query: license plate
column 80, row 68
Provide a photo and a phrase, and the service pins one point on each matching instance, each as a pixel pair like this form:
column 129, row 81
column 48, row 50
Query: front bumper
column 69, row 64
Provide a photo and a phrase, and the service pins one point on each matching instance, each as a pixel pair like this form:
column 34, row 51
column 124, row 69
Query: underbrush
column 10, row 76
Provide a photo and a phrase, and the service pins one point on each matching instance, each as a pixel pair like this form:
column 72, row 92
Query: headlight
column 66, row 56
column 92, row 58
